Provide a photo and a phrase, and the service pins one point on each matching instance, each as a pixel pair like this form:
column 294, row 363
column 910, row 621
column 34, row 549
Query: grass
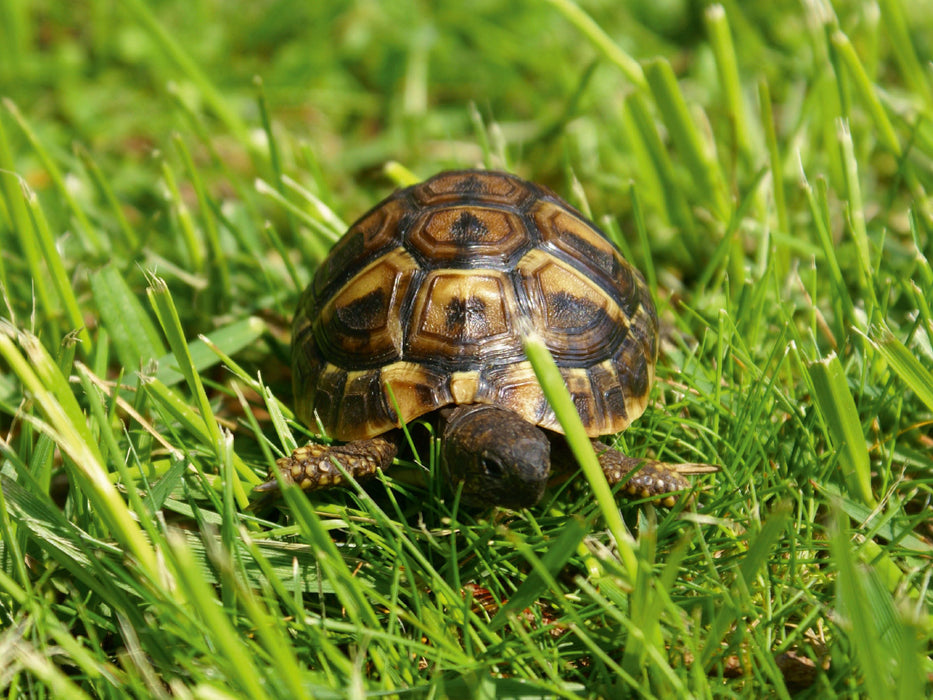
column 171, row 175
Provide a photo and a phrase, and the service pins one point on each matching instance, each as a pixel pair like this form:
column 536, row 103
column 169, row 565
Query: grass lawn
column 171, row 174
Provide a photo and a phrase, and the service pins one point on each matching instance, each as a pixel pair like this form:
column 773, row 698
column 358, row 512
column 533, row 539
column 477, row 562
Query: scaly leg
column 651, row 478
column 312, row 467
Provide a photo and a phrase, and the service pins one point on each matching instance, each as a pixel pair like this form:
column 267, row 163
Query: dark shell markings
column 429, row 292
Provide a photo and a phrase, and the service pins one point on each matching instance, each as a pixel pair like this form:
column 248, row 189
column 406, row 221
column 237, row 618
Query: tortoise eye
column 491, row 467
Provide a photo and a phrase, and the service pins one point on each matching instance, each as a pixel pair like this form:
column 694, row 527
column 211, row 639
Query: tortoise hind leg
column 312, row 467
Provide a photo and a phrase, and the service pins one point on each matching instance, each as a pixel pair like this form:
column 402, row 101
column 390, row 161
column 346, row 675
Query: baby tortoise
column 428, row 294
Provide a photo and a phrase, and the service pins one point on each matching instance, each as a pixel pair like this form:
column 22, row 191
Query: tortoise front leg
column 651, row 478
column 312, row 467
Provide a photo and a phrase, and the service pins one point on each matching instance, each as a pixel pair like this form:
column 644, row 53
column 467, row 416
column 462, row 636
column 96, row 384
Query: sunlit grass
column 161, row 208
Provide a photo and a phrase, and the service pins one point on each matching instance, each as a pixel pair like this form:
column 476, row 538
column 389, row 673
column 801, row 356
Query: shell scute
column 371, row 236
column 473, row 186
column 359, row 326
column 461, row 312
column 579, row 317
column 471, row 237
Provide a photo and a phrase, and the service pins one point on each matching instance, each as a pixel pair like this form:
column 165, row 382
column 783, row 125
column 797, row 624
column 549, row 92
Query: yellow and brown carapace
column 430, row 291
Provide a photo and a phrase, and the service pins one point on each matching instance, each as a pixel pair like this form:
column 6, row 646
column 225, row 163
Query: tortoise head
column 500, row 458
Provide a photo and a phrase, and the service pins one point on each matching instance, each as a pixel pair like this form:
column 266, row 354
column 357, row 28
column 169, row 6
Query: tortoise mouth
column 505, row 494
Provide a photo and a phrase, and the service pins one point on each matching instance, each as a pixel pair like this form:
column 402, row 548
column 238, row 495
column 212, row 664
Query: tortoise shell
column 424, row 302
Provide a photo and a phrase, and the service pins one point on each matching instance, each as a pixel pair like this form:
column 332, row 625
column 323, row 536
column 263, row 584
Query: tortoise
column 420, row 308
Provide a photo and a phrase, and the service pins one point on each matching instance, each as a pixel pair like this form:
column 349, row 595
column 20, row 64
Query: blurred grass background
column 173, row 169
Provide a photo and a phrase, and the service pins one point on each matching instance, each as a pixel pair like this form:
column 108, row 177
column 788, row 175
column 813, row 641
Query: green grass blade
column 844, row 429
column 585, row 24
column 885, row 646
column 704, row 169
column 67, row 425
column 59, row 539
column 162, row 303
column 315, row 246
column 856, row 212
column 552, row 382
column 319, row 208
column 184, row 221
column 270, row 630
column 20, row 588
column 720, row 39
column 229, row 340
column 211, row 95
column 755, row 558
column 902, row 44
column 400, row 175
column 646, row 265
column 866, row 92
column 15, row 197
column 481, row 133
column 14, row 213
column 356, row 598
column 275, row 406
column 217, row 260
column 675, row 202
column 777, row 168
column 192, row 422
column 237, row 659
column 134, row 335
column 905, row 364
column 544, row 570
column 60, row 281
column 164, row 307
column 24, row 656
column 842, row 300
column 130, row 239
column 86, row 230
column 16, row 38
